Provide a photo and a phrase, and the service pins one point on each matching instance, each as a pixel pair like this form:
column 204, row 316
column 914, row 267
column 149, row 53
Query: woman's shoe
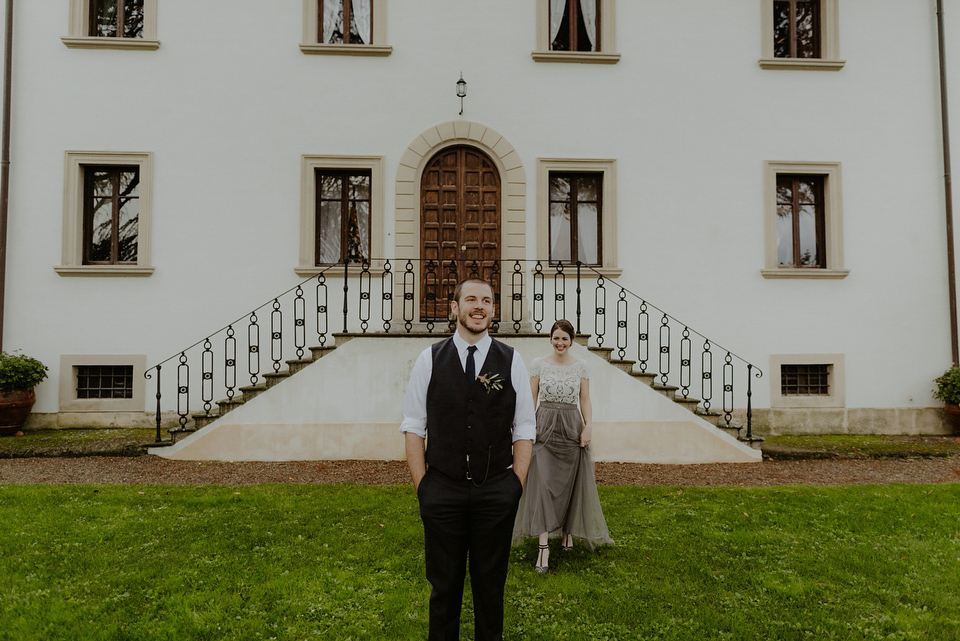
column 567, row 543
column 543, row 558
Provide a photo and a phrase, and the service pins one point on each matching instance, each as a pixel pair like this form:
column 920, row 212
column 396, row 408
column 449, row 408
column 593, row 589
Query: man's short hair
column 456, row 292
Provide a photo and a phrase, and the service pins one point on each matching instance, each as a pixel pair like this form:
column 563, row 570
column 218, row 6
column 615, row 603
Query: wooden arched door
column 460, row 226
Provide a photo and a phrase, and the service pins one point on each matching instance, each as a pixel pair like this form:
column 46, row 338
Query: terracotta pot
column 951, row 414
column 14, row 409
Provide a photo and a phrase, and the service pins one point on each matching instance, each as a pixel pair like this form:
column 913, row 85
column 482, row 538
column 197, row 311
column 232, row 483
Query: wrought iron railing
column 414, row 294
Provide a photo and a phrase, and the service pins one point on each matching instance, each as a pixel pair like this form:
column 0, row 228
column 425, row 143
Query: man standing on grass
column 472, row 395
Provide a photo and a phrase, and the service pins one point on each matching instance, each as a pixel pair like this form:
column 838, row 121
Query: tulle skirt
column 561, row 493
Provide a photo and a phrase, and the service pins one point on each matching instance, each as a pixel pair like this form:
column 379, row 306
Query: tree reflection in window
column 343, row 216
column 111, row 215
column 796, row 29
column 800, row 221
column 116, row 18
column 575, row 215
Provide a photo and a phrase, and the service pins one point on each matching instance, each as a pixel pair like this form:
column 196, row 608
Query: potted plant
column 19, row 374
column 948, row 391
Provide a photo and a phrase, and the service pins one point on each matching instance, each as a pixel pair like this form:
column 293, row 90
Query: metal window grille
column 805, row 380
column 104, row 381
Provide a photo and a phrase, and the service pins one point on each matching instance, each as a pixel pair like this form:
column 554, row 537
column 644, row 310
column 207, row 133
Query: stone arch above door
column 513, row 241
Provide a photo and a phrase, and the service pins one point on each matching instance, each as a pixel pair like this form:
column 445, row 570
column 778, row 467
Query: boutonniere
column 491, row 381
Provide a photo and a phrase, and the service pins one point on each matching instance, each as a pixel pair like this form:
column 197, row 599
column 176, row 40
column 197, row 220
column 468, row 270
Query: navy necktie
column 471, row 364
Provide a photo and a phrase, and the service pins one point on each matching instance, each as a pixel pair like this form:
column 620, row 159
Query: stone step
column 645, row 377
column 321, row 350
column 626, row 366
column 274, row 378
column 177, row 433
column 250, row 392
column 228, row 404
column 298, row 364
column 732, row 430
column 200, row 421
column 602, row 352
column 690, row 403
column 669, row 391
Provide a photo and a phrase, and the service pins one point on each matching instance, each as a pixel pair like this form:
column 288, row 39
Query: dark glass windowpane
column 133, row 19
column 560, row 232
column 785, row 236
column 587, row 230
column 360, row 187
column 806, row 30
column 127, row 230
column 129, row 183
column 331, row 187
column 559, row 188
column 101, row 230
column 328, row 231
column 781, row 29
column 806, row 192
column 808, row 236
column 588, row 188
column 102, row 184
column 103, row 18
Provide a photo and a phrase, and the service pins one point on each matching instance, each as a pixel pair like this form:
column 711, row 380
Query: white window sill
column 801, row 64
column 594, row 57
column 813, row 272
column 346, row 50
column 103, row 270
column 90, row 42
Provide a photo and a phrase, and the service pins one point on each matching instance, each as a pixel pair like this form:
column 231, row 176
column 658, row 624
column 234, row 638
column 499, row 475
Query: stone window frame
column 72, row 254
column 829, row 59
column 309, row 43
column 608, row 215
column 68, row 383
column 608, row 38
column 78, row 26
column 833, row 219
column 308, row 206
column 835, row 399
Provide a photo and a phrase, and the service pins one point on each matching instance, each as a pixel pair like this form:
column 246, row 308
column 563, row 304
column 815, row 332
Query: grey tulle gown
column 561, row 493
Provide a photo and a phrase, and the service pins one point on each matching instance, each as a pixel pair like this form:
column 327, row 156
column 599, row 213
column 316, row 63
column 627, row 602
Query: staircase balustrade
column 529, row 295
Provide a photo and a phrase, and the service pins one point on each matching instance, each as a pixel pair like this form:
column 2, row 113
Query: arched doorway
column 460, row 201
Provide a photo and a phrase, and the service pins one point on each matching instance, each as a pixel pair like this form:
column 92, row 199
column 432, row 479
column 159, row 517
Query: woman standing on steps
column 561, row 494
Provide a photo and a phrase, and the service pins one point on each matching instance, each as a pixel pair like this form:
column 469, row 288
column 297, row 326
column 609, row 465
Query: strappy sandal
column 542, row 568
column 566, row 547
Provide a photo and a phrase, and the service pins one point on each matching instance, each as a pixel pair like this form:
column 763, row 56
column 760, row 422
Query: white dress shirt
column 415, row 402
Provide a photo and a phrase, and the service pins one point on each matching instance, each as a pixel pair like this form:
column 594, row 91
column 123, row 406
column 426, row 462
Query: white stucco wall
column 229, row 103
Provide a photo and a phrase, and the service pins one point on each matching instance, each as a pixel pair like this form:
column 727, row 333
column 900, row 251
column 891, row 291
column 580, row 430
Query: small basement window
column 104, row 381
column 805, row 380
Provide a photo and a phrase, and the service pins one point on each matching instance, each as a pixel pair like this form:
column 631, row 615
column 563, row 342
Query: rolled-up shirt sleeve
column 524, row 417
column 415, row 401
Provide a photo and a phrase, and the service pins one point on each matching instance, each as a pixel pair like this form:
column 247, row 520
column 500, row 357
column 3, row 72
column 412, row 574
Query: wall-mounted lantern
column 461, row 91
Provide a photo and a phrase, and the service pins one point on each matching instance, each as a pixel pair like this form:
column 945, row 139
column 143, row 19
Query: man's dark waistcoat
column 468, row 427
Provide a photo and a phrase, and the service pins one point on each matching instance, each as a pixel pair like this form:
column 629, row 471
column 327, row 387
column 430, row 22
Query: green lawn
column 346, row 562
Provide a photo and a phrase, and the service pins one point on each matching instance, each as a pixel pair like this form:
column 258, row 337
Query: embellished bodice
column 559, row 383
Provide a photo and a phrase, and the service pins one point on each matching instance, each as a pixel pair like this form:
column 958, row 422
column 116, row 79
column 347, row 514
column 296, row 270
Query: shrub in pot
column 948, row 391
column 19, row 374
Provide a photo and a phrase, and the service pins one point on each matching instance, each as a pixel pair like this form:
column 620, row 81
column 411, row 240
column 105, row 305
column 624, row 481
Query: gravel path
column 153, row 470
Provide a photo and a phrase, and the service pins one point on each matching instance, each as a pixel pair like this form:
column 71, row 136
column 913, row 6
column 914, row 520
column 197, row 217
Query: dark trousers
column 462, row 521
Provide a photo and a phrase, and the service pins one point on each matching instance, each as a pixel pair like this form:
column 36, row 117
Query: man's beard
column 464, row 318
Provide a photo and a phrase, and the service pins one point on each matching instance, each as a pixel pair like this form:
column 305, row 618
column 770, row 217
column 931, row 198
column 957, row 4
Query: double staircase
column 664, row 368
